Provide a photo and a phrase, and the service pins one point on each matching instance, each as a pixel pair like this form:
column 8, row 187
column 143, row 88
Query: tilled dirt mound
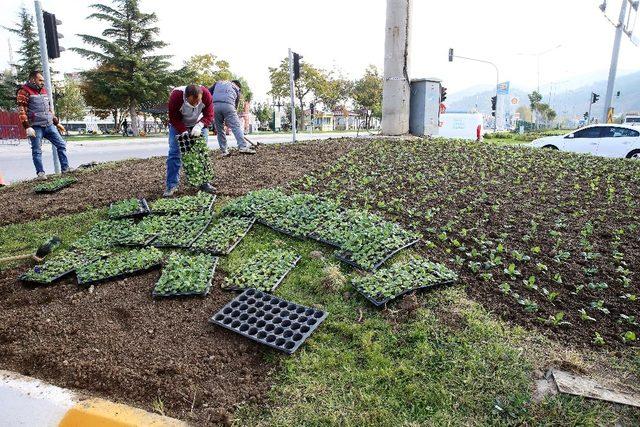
column 273, row 165
column 119, row 343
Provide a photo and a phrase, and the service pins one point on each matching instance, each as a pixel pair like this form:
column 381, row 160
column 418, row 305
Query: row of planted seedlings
column 362, row 239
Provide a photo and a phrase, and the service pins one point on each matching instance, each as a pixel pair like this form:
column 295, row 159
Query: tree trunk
column 134, row 118
column 116, row 124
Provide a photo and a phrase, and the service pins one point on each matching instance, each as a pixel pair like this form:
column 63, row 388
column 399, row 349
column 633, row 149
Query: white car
column 605, row 140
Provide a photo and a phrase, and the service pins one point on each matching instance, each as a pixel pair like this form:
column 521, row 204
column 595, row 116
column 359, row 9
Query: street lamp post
column 451, row 56
column 538, row 56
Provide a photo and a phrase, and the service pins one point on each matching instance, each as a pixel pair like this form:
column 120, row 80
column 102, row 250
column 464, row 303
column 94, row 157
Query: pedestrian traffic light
column 594, row 97
column 296, row 65
column 450, row 54
column 52, row 35
column 494, row 103
column 443, row 93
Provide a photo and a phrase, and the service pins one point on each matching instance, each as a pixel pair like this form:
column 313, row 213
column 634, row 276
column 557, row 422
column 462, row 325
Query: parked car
column 605, row 140
column 632, row 120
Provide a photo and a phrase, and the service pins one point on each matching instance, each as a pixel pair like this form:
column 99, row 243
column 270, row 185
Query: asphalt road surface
column 16, row 163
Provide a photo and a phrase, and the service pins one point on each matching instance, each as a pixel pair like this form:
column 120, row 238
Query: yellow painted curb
column 102, row 413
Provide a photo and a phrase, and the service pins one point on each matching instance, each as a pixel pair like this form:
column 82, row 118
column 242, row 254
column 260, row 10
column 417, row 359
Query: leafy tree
column 534, row 100
column 263, row 113
column 29, row 51
column 98, row 89
column 334, row 91
column 310, row 82
column 70, row 104
column 125, row 49
column 367, row 92
column 525, row 113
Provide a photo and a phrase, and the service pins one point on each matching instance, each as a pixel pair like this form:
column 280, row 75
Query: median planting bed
column 548, row 239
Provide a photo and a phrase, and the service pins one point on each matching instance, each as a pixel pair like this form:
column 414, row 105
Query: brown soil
column 274, row 165
column 119, row 343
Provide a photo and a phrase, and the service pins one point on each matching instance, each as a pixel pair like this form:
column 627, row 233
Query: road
column 16, row 163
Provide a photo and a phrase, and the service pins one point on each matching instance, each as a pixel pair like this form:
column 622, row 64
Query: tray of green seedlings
column 182, row 230
column 251, row 203
column 60, row 265
column 130, row 208
column 223, row 235
column 296, row 215
column 200, row 202
column 401, row 278
column 104, row 234
column 54, row 185
column 196, row 160
column 186, row 275
column 337, row 225
column 372, row 242
column 143, row 232
column 119, row 266
column 264, row 271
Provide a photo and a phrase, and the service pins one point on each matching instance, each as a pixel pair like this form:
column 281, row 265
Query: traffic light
column 618, row 94
column 450, row 54
column 296, row 65
column 586, row 115
column 443, row 93
column 494, row 102
column 594, row 97
column 51, row 34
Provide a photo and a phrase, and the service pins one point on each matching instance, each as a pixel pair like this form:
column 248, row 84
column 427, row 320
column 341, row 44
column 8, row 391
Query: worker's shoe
column 226, row 153
column 169, row 192
column 66, row 171
column 42, row 176
column 207, row 188
column 246, row 150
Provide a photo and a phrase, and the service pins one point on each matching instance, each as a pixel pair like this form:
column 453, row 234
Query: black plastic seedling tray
column 186, row 245
column 143, row 210
column 172, row 212
column 344, row 257
column 269, row 320
column 314, row 236
column 138, row 245
column 280, row 230
column 119, row 276
column 205, row 292
column 62, row 275
column 381, row 302
column 278, row 283
column 229, row 249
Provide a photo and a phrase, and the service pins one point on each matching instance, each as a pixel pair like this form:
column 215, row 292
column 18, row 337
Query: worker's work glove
column 61, row 128
column 197, row 130
column 31, row 132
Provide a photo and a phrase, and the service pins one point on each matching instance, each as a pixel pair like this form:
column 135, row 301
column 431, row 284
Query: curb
column 26, row 401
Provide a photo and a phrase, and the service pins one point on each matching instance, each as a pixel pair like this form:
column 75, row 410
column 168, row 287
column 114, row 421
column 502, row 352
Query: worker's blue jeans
column 50, row 133
column 174, row 161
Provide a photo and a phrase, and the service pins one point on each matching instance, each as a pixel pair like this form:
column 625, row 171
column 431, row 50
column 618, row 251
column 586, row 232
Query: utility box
column 425, row 107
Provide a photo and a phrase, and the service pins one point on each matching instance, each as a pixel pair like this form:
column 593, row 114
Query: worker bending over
column 226, row 96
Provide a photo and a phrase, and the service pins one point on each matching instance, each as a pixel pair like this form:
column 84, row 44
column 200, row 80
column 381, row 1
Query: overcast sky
column 349, row 35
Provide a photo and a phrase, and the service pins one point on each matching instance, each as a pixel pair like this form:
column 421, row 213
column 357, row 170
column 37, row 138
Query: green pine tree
column 126, row 52
column 29, row 52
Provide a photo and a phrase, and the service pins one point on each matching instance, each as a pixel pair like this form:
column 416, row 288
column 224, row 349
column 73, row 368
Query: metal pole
column 614, row 61
column 495, row 125
column 590, row 104
column 293, row 99
column 44, row 57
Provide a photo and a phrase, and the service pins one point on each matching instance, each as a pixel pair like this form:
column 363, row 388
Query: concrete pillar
column 396, row 93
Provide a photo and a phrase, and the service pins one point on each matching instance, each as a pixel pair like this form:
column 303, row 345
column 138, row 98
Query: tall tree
column 367, row 92
column 7, row 90
column 29, row 52
column 335, row 90
column 98, row 91
column 70, row 104
column 310, row 83
column 126, row 48
column 534, row 101
column 263, row 112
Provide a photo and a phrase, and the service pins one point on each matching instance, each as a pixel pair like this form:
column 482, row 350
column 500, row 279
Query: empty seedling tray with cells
column 264, row 271
column 130, row 208
column 186, row 275
column 401, row 278
column 269, row 320
column 119, row 266
column 200, row 202
column 223, row 235
column 54, row 185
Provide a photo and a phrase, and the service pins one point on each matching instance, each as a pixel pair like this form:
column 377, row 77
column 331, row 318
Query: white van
column 632, row 120
column 461, row 125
